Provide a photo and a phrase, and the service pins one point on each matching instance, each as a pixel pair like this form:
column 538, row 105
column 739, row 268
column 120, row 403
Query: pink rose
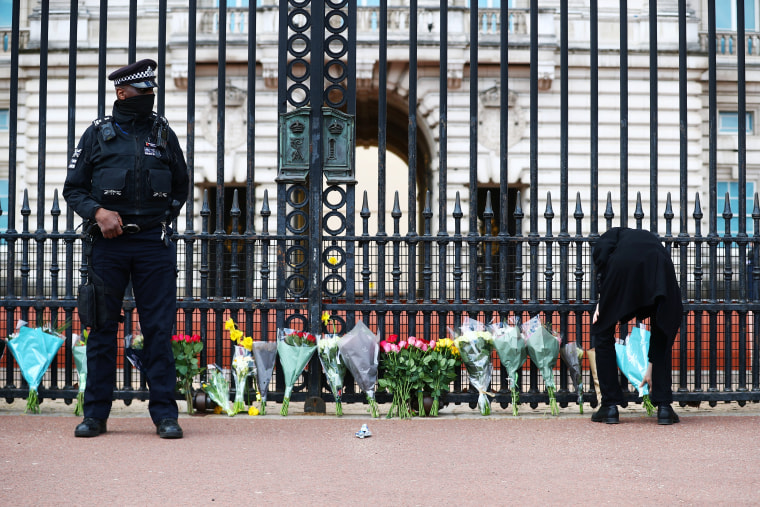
column 424, row 347
column 402, row 344
column 432, row 344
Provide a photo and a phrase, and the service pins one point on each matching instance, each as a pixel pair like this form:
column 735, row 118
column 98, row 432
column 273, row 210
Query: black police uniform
column 132, row 164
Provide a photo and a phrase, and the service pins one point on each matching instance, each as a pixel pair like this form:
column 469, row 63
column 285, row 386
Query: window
column 728, row 122
column 4, row 118
column 732, row 187
column 4, row 204
column 725, row 15
column 491, row 4
column 6, row 13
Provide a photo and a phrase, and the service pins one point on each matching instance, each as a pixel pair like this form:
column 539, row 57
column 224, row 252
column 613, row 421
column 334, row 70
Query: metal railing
column 445, row 266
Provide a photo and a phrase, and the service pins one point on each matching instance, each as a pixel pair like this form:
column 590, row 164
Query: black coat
column 636, row 279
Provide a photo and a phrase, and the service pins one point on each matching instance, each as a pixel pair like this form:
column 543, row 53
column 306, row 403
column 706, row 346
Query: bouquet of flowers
column 402, row 371
column 133, row 349
column 513, row 352
column 186, row 349
column 335, row 370
column 633, row 361
column 218, row 389
column 34, row 350
column 264, row 355
column 79, row 351
column 243, row 364
column 439, row 369
column 359, row 349
column 475, row 345
column 295, row 348
column 571, row 353
column 543, row 348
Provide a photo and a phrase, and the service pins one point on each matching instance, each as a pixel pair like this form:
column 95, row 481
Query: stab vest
column 131, row 171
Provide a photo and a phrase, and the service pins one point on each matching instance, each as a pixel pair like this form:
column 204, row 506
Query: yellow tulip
column 253, row 411
column 332, row 260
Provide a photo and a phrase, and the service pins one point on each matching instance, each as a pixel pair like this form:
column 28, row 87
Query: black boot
column 169, row 428
column 666, row 415
column 607, row 415
column 90, row 427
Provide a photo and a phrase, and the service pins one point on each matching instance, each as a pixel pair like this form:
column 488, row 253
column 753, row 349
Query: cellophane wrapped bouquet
column 359, row 349
column 335, row 370
column 79, row 351
column 633, row 360
column 543, row 349
column 572, row 354
column 265, row 356
column 475, row 345
column 218, row 388
column 243, row 364
column 34, row 350
column 295, row 348
column 513, row 351
column 133, row 348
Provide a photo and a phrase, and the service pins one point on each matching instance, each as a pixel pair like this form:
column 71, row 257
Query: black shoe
column 90, row 427
column 168, row 428
column 666, row 415
column 607, row 415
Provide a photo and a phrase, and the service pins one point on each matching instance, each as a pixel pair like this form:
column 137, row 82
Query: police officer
column 128, row 175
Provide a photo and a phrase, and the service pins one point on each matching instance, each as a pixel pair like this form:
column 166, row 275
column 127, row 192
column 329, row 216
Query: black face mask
column 139, row 105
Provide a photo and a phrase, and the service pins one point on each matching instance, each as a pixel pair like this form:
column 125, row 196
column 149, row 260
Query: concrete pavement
column 460, row 458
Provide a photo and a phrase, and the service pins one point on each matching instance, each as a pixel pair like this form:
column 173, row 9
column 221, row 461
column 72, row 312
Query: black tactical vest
column 131, row 172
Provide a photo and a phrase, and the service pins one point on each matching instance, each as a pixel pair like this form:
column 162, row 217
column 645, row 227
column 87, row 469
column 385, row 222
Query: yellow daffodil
column 325, row 318
column 229, row 325
column 253, row 411
column 332, row 260
column 247, row 343
column 217, row 409
column 235, row 335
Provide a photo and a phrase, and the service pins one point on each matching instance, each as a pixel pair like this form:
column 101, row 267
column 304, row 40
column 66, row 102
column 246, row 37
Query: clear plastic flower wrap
column 334, row 368
column 218, row 388
column 359, row 349
column 543, row 349
column 513, row 351
column 265, row 355
column 571, row 353
column 243, row 366
column 475, row 345
column 79, row 351
column 295, row 348
column 133, row 349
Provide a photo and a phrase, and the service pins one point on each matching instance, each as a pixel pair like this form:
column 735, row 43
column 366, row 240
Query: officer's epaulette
column 105, row 127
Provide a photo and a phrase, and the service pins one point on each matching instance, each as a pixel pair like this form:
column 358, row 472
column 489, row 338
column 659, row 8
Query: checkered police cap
column 140, row 74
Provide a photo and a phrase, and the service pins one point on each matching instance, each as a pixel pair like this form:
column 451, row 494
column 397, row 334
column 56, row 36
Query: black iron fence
column 281, row 260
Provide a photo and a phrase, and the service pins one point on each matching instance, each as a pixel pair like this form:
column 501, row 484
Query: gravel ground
column 460, row 458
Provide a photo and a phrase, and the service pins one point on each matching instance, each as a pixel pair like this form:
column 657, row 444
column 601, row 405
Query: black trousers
column 152, row 267
column 660, row 355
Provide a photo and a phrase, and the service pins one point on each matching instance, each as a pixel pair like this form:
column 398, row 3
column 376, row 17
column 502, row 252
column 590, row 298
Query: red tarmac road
column 461, row 458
